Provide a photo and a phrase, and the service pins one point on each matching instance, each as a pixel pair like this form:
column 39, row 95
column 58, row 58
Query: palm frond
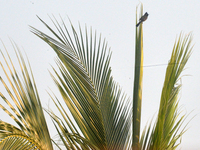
column 87, row 87
column 167, row 130
column 27, row 110
column 18, row 142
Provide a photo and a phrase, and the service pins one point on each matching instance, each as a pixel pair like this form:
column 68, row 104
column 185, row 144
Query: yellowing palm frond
column 26, row 109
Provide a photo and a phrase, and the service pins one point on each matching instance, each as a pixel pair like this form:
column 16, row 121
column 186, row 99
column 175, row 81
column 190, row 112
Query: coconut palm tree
column 101, row 112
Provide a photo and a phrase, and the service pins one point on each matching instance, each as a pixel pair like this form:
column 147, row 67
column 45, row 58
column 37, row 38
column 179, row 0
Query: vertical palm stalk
column 137, row 91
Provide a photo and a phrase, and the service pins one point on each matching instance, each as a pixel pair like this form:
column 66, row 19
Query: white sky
column 115, row 19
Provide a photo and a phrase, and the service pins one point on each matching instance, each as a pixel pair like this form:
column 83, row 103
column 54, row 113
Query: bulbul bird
column 142, row 19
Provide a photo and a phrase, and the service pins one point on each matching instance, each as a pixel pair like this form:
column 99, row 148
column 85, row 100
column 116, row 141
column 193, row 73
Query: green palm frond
column 101, row 112
column 167, row 130
column 24, row 102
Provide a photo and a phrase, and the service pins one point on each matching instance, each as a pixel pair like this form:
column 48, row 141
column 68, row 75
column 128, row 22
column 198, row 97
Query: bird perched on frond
column 142, row 19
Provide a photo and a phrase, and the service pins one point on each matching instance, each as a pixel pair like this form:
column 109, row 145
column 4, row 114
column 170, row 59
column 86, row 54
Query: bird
column 142, row 19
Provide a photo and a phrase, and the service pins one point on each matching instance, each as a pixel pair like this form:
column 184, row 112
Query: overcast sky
column 115, row 20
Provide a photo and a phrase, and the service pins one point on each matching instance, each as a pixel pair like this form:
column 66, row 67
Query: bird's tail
column 138, row 24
